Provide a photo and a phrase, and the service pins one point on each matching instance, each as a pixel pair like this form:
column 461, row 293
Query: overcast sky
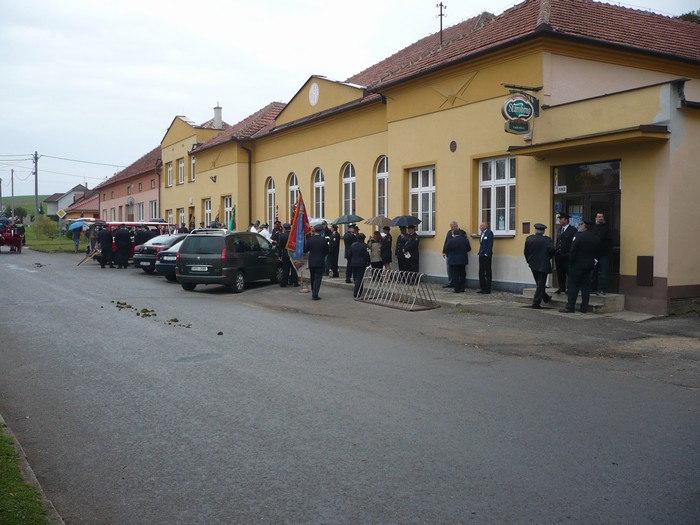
column 101, row 81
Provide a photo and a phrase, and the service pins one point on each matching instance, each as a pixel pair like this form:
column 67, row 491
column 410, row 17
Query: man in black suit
column 349, row 239
column 561, row 250
column 485, row 257
column 457, row 250
column 410, row 249
column 317, row 248
column 454, row 226
column 104, row 238
column 585, row 249
column 538, row 254
column 289, row 272
column 122, row 242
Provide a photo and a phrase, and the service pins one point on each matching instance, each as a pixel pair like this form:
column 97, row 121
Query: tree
column 693, row 16
column 20, row 213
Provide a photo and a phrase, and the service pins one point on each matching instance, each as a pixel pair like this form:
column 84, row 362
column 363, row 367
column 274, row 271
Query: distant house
column 61, row 201
column 87, row 206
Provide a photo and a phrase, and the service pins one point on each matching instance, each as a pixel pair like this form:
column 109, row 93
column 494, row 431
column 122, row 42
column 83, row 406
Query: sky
column 91, row 86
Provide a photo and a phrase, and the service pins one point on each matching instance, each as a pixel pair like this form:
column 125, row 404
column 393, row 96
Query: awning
column 639, row 134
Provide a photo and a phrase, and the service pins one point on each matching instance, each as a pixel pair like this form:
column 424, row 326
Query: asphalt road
column 139, row 403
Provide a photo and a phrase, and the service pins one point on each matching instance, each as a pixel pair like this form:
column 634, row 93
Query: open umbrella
column 405, row 220
column 348, row 218
column 76, row 225
column 319, row 220
column 379, row 220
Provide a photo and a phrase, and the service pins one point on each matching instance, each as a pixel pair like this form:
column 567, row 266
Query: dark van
column 228, row 258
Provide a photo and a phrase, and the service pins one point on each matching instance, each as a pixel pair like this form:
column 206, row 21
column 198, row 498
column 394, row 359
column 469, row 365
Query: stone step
column 599, row 304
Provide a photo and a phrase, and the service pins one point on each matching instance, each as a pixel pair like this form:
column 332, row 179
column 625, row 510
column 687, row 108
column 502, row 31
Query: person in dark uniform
column 289, row 272
column 601, row 270
column 359, row 260
column 141, row 235
column 386, row 248
column 349, row 239
column 456, row 250
column 317, row 248
column 410, row 249
column 561, row 250
column 334, row 251
column 485, row 258
column 538, row 254
column 104, row 239
column 400, row 243
column 122, row 242
column 585, row 249
column 454, row 226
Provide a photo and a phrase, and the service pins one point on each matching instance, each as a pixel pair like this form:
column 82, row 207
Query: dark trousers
column 333, row 263
column 358, row 272
column 315, row 276
column 485, row 273
column 122, row 257
column 348, row 269
column 402, row 264
column 579, row 280
column 106, row 258
column 540, row 291
column 459, row 276
column 562, row 264
column 289, row 273
column 450, row 275
column 600, row 271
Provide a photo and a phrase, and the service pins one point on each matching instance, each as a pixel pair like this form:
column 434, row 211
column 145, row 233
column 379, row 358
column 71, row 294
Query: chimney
column 218, row 123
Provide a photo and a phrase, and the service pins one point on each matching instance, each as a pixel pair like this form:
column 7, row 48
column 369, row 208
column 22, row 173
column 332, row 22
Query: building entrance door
column 582, row 191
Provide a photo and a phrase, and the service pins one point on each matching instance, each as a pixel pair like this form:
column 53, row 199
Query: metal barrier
column 397, row 289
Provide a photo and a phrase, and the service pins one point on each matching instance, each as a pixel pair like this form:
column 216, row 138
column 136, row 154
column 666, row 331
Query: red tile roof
column 90, row 202
column 148, row 163
column 246, row 128
column 586, row 20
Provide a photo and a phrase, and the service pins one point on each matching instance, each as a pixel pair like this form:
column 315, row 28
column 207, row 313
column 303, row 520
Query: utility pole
column 36, row 186
column 12, row 189
column 1, row 210
column 441, row 16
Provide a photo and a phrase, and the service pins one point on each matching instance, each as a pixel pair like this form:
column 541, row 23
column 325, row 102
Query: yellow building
column 601, row 118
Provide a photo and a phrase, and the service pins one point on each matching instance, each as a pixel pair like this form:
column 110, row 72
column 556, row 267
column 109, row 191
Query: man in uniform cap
column 538, row 254
column 349, row 239
column 585, row 249
column 317, row 248
column 561, row 250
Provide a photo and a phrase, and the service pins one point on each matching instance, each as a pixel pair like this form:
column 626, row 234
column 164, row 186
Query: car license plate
column 199, row 268
column 172, row 258
column 145, row 263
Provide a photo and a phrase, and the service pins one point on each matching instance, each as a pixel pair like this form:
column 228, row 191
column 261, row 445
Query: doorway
column 582, row 191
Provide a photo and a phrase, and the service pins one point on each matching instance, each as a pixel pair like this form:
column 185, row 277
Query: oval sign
column 518, row 107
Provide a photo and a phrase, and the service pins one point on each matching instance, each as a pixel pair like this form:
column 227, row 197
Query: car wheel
column 238, row 283
column 188, row 286
column 277, row 277
column 170, row 277
column 148, row 270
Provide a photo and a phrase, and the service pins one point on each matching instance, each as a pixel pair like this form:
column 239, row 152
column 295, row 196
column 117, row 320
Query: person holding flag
column 300, row 227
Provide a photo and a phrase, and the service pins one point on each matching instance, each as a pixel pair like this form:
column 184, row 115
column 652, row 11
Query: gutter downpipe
column 250, row 182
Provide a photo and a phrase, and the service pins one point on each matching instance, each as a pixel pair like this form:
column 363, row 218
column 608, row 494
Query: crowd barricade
column 397, row 289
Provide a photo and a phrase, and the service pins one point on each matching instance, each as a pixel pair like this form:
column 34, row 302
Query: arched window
column 349, row 188
column 271, row 203
column 319, row 194
column 293, row 186
column 382, row 187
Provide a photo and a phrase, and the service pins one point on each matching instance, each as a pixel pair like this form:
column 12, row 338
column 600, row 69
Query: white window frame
column 228, row 210
column 319, row 193
column 349, row 188
column 271, row 200
column 153, row 206
column 292, row 192
column 169, row 215
column 207, row 212
column 169, row 181
column 192, row 169
column 181, row 171
column 139, row 211
column 382, row 187
column 181, row 216
column 497, row 194
column 421, row 197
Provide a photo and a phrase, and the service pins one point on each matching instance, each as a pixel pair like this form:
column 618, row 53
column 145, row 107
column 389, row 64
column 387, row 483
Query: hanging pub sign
column 518, row 111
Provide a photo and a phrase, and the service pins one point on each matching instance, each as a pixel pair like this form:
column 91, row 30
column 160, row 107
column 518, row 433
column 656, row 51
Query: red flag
column 300, row 227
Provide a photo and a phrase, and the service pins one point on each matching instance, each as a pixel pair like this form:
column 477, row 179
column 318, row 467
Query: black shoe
column 583, row 310
column 448, row 286
column 536, row 307
column 547, row 298
column 111, row 266
column 283, row 285
column 484, row 291
column 560, row 291
column 316, row 298
column 348, row 281
column 566, row 311
column 336, row 276
column 458, row 291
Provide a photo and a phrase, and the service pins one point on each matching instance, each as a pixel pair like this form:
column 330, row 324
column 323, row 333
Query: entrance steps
column 602, row 304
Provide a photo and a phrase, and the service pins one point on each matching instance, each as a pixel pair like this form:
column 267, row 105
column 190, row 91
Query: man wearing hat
column 349, row 239
column 538, row 254
column 317, row 248
column 585, row 249
column 400, row 243
column 561, row 250
column 289, row 273
column 410, row 249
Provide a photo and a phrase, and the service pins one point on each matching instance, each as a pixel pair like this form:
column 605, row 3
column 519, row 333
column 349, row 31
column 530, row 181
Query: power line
column 83, row 161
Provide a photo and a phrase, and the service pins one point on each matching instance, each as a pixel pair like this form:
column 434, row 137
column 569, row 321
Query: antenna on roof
column 441, row 16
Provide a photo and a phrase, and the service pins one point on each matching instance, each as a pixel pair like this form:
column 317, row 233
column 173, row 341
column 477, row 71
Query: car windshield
column 160, row 240
column 175, row 247
column 205, row 245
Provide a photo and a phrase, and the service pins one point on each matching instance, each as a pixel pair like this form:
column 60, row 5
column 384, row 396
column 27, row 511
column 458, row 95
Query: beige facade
column 616, row 132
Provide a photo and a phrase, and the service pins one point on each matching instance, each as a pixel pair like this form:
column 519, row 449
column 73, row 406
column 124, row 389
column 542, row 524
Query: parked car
column 145, row 254
column 166, row 261
column 228, row 258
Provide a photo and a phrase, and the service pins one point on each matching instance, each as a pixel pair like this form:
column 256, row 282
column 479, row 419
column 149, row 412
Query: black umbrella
column 348, row 218
column 405, row 220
